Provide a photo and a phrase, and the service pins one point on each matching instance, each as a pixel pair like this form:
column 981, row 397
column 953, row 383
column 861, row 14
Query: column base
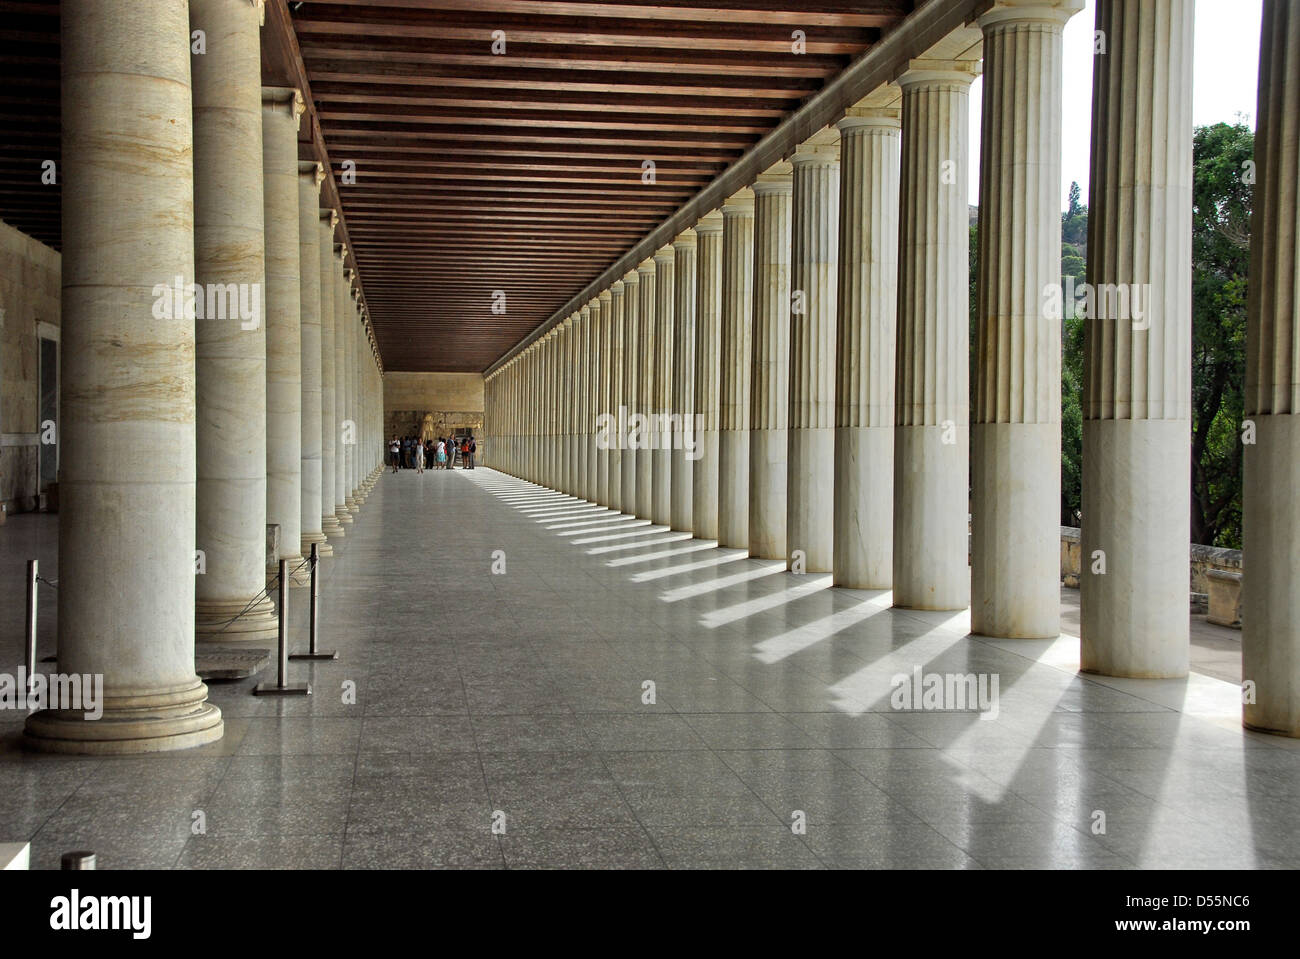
column 352, row 506
column 215, row 621
column 331, row 527
column 323, row 548
column 342, row 515
column 297, row 577
column 158, row 721
column 767, row 494
column 810, row 498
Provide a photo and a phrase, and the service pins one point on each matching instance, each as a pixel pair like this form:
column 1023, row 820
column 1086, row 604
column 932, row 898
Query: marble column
column 1016, row 433
column 341, row 306
column 582, row 397
column 354, row 396
column 330, row 525
column 281, row 109
column 770, row 366
column 1270, row 630
column 708, row 360
column 734, row 376
column 682, row 405
column 309, row 181
column 606, row 363
column 230, row 348
column 665, row 348
column 127, row 476
column 614, row 397
column 591, row 364
column 563, row 398
column 631, row 390
column 932, row 394
column 646, row 400
column 1137, row 371
column 864, row 348
column 814, row 268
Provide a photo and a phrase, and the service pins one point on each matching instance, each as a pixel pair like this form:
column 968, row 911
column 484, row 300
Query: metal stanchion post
column 282, row 687
column 312, row 651
column 32, row 567
column 77, row 860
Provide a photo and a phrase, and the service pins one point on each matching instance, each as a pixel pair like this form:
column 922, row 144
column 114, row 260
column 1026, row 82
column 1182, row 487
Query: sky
column 1225, row 68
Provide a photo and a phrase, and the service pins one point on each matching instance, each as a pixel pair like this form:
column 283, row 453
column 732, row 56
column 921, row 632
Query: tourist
column 442, row 454
column 394, row 451
column 419, row 457
column 473, row 448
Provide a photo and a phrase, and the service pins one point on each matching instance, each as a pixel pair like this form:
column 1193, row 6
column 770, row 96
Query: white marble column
column 582, row 397
column 591, row 366
column 932, row 396
column 646, row 399
column 734, row 377
column 1138, row 356
column 606, row 407
column 631, row 387
column 814, row 267
column 864, row 348
column 1270, row 630
column 1016, row 429
column 127, row 476
column 354, row 393
column 682, row 405
column 770, row 367
column 230, row 350
column 281, row 109
column 342, row 299
column 665, row 349
column 309, row 180
column 330, row 525
column 708, row 361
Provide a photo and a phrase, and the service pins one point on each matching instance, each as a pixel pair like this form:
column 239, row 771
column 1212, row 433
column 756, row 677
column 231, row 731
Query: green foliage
column 1221, row 211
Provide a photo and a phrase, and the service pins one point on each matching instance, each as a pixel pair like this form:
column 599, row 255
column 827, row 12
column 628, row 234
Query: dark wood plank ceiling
column 522, row 172
column 477, row 172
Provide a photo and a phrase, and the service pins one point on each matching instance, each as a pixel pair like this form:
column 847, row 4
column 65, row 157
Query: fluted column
column 309, row 181
column 708, row 360
column 281, row 109
column 230, row 348
column 770, row 367
column 606, row 366
column 342, row 299
column 631, row 398
column 932, row 398
column 582, row 397
column 646, row 400
column 682, row 405
column 613, row 341
column 1016, row 433
column 572, row 400
column 814, row 259
column 864, row 349
column 734, row 377
column 1270, row 630
column 348, row 434
column 591, row 363
column 330, row 525
column 1137, row 356
column 127, row 477
column 665, row 349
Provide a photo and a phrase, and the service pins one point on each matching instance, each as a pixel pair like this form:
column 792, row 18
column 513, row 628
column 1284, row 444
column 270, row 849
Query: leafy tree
column 1221, row 211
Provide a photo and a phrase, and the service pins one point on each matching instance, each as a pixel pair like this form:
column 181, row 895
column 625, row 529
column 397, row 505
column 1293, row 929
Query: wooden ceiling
column 476, row 171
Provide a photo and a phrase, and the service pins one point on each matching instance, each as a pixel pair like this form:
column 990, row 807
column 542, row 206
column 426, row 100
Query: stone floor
column 519, row 698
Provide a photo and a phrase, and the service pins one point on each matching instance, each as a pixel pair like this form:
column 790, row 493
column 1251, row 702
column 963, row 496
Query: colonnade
column 791, row 375
column 220, row 374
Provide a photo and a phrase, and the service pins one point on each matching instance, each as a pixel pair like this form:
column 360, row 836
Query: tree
column 1074, row 263
column 1221, row 211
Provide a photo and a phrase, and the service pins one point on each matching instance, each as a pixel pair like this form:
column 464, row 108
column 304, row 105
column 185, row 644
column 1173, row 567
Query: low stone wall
column 1214, row 577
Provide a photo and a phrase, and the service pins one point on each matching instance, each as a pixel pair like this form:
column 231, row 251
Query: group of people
column 412, row 453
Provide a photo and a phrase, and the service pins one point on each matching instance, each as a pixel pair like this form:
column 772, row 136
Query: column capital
column 311, row 168
column 775, row 179
column 616, row 288
column 1011, row 12
column 883, row 111
column 664, row 255
column 329, row 217
column 685, row 240
column 585, row 312
column 260, row 6
column 740, row 203
column 341, row 251
column 646, row 267
column 920, row 73
column 631, row 278
column 822, row 148
column 605, row 299
column 710, row 223
column 288, row 97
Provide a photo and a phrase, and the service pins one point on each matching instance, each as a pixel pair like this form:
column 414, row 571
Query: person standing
column 442, row 454
column 394, row 451
column 419, row 457
column 470, row 449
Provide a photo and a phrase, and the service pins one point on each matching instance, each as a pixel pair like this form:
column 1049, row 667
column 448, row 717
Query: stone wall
column 454, row 399
column 30, row 281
